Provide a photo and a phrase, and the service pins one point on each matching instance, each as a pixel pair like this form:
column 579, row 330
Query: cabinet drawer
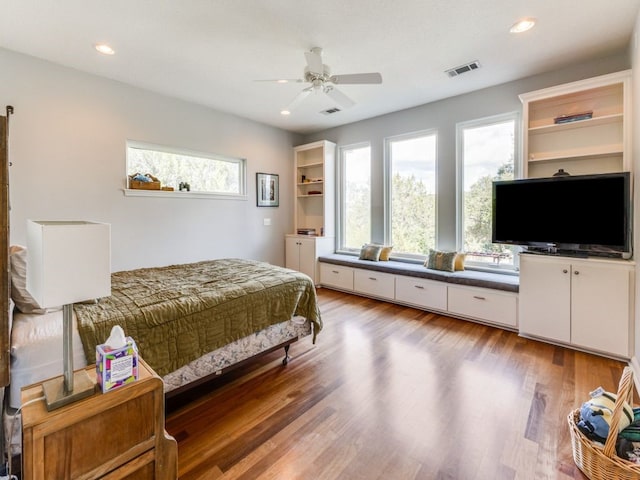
column 376, row 284
column 483, row 304
column 336, row 276
column 420, row 292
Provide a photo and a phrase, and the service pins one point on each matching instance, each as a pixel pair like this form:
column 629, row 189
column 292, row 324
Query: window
column 205, row 173
column 355, row 215
column 411, row 193
column 486, row 152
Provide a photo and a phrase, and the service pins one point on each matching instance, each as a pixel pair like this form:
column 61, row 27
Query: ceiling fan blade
column 298, row 99
column 354, row 78
column 339, row 97
column 314, row 60
column 281, row 80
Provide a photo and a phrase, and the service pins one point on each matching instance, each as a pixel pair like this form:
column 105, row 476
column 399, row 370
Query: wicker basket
column 154, row 184
column 602, row 463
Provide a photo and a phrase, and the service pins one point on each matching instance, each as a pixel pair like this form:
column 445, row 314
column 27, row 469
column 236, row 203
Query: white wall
column 443, row 116
column 67, row 146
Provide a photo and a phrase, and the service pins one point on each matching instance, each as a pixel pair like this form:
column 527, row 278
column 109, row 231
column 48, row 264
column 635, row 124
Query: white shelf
column 590, row 152
column 595, row 145
column 310, row 183
column 592, row 122
column 310, row 165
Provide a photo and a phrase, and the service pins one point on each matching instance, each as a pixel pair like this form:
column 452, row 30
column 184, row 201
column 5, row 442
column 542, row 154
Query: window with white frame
column 355, row 211
column 410, row 223
column 487, row 150
column 202, row 172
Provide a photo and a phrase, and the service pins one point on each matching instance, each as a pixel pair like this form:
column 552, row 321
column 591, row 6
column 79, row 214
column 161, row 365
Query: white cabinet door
column 585, row 303
column 600, row 299
column 292, row 253
column 307, row 258
column 545, row 298
column 300, row 255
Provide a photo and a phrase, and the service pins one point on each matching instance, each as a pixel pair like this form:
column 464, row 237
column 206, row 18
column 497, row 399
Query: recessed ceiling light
column 285, row 112
column 282, row 81
column 104, row 49
column 523, row 25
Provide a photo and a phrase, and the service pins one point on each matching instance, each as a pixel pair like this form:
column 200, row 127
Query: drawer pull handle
column 419, row 286
column 478, row 297
column 373, row 278
column 335, row 271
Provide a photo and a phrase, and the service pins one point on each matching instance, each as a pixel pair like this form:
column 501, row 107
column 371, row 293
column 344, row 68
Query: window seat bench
column 485, row 297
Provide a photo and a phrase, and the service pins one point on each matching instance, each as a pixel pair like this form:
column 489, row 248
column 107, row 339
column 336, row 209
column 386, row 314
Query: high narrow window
column 486, row 152
column 355, row 215
column 411, row 199
column 202, row 172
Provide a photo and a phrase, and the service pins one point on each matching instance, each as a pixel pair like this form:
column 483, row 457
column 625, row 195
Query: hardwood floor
column 390, row 392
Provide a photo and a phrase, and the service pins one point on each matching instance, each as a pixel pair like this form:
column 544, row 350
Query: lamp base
column 55, row 395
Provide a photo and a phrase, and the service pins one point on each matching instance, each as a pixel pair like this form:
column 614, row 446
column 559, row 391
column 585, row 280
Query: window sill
column 131, row 192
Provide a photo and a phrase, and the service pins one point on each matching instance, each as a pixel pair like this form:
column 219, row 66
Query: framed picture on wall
column 268, row 191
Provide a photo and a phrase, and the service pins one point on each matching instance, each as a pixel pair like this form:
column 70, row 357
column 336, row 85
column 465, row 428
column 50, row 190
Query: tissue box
column 116, row 367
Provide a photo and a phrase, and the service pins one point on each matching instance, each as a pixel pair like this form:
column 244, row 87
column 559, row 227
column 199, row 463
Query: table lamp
column 68, row 262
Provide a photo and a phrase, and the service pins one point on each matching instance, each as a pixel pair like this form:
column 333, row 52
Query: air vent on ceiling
column 330, row 111
column 467, row 67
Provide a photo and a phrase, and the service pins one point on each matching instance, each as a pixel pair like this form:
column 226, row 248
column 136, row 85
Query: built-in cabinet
column 486, row 305
column 314, row 207
column 301, row 253
column 558, row 133
column 585, row 303
column 314, row 176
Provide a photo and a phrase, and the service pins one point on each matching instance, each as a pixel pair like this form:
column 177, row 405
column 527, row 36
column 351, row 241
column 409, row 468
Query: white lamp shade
column 68, row 261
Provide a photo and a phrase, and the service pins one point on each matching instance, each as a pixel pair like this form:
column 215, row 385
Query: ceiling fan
column 319, row 76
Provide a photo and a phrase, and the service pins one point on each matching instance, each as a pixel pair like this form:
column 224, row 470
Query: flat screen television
column 575, row 214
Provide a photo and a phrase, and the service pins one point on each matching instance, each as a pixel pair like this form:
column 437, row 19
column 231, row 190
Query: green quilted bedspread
column 178, row 313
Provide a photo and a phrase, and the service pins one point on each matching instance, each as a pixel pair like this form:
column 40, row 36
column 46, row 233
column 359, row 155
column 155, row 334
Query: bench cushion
column 472, row 278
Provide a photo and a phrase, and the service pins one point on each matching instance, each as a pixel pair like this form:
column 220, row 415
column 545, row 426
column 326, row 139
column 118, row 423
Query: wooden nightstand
column 116, row 435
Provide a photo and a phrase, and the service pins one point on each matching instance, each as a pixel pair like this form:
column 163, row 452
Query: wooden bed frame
column 5, row 282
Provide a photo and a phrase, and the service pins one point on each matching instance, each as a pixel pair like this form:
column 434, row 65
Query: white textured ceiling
column 211, row 51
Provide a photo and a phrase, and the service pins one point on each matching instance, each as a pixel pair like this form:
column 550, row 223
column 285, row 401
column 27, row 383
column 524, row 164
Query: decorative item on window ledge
column 561, row 173
column 68, row 262
column 144, row 182
column 267, row 190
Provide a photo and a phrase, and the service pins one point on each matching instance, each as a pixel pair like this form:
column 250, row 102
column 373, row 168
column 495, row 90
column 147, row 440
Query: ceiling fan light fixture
column 104, row 49
column 285, row 112
column 523, row 25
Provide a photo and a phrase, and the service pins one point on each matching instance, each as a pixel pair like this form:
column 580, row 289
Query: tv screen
column 583, row 213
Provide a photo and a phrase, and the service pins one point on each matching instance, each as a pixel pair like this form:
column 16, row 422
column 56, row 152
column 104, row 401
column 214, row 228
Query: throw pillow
column 459, row 262
column 385, row 253
column 438, row 260
column 370, row 252
column 19, row 293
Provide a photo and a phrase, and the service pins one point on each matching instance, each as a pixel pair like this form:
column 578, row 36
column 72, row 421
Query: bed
column 191, row 322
